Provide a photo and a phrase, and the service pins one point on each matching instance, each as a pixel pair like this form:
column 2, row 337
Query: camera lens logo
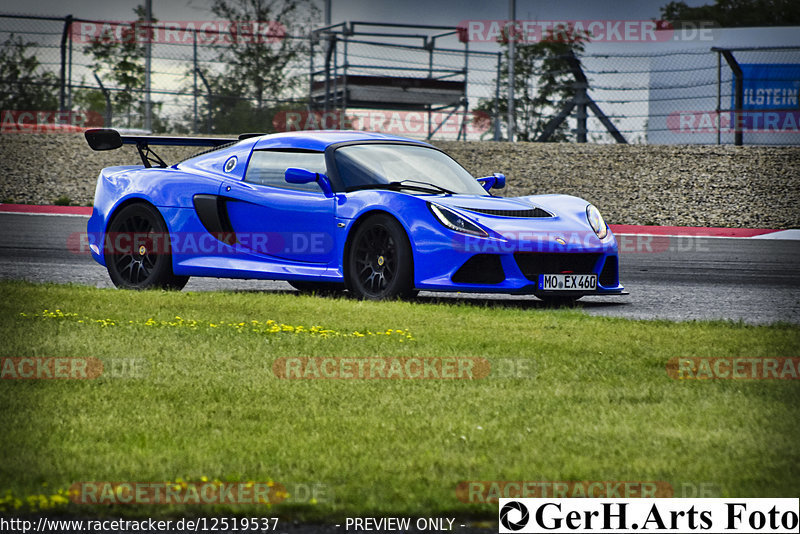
column 523, row 515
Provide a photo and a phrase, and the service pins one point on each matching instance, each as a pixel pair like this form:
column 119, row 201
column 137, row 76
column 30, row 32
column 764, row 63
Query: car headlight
column 596, row 221
column 456, row 222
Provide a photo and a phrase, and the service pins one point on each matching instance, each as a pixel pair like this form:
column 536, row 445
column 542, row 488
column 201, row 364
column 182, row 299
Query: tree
column 736, row 13
column 23, row 85
column 543, row 81
column 119, row 56
column 259, row 56
column 89, row 100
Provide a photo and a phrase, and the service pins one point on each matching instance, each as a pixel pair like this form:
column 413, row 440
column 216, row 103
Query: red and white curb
column 33, row 209
column 623, row 230
column 620, row 230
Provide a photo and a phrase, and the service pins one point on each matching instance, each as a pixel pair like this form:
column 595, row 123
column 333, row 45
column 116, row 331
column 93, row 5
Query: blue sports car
column 379, row 215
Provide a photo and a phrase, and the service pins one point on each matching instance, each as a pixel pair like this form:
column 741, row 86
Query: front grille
column 532, row 264
column 480, row 269
column 609, row 276
column 534, row 213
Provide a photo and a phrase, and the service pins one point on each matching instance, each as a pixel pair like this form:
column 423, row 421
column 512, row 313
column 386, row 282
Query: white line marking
column 45, row 214
column 762, row 236
column 784, row 235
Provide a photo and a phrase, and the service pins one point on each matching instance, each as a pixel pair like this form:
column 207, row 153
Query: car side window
column 268, row 167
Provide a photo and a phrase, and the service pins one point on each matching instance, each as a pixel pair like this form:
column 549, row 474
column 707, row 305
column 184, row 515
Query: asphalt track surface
column 676, row 278
column 753, row 280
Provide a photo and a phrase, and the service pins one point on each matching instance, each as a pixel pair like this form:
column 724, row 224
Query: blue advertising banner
column 770, row 86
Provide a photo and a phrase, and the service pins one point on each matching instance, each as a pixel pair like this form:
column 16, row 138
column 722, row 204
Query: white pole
column 512, row 14
column 148, row 119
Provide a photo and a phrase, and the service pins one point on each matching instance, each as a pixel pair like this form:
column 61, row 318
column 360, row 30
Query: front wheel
column 138, row 252
column 379, row 261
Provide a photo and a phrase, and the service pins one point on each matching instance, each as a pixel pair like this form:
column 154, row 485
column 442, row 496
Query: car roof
column 322, row 139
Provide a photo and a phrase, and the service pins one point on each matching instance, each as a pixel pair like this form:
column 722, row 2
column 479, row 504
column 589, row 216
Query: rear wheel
column 379, row 261
column 138, row 252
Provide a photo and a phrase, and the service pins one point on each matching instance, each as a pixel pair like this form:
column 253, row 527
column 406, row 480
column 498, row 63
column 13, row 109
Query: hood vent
column 534, row 213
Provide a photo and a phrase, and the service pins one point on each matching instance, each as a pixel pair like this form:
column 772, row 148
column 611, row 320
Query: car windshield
column 376, row 164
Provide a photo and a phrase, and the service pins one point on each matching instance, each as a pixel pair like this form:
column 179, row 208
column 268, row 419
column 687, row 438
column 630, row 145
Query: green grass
column 601, row 406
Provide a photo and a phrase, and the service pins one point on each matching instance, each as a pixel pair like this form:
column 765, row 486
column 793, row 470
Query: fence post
column 328, row 53
column 64, row 36
column 738, row 94
column 69, row 71
column 580, row 103
column 497, row 97
column 335, row 74
column 512, row 8
column 463, row 128
column 194, row 80
column 583, row 99
column 148, row 48
column 310, row 71
column 719, row 98
column 344, row 84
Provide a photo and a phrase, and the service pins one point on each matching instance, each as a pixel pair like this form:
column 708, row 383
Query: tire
column 379, row 262
column 320, row 288
column 138, row 251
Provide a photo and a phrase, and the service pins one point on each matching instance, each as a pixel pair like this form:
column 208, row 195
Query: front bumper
column 519, row 273
column 492, row 266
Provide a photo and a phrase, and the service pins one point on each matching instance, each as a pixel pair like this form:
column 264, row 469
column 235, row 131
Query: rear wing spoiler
column 108, row 139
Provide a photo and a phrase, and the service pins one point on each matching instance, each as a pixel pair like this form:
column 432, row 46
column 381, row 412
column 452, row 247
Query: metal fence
column 182, row 61
column 361, row 75
column 729, row 96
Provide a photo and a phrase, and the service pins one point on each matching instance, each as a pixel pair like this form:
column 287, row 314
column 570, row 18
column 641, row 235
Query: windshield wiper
column 427, row 186
column 423, row 187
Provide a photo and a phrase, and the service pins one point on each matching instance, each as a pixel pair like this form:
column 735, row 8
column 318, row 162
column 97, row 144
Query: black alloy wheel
column 138, row 251
column 379, row 262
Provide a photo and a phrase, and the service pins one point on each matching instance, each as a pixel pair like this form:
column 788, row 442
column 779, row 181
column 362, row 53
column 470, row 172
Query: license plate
column 568, row 282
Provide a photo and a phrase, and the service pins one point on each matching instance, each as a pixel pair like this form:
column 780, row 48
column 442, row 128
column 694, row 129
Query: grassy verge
column 598, row 406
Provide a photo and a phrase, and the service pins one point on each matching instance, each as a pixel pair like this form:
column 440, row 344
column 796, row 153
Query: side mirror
column 495, row 181
column 103, row 138
column 294, row 175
